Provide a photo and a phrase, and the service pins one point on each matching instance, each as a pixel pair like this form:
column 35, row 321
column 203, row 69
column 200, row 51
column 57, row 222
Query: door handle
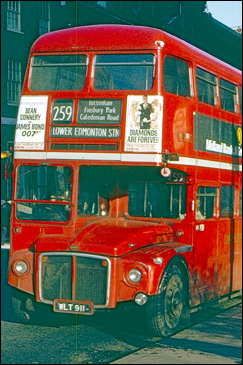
column 200, row 227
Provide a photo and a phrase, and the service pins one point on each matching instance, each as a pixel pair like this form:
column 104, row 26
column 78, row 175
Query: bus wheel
column 166, row 310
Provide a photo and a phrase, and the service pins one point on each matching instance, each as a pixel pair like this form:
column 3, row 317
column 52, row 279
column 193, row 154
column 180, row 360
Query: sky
column 227, row 12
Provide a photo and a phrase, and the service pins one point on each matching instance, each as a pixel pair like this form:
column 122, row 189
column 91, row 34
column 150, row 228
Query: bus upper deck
column 131, row 97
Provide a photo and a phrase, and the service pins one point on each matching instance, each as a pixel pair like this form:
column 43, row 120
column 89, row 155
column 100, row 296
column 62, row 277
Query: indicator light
column 141, row 298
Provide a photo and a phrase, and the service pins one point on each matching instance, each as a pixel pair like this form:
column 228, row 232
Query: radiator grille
column 56, row 277
column 90, row 278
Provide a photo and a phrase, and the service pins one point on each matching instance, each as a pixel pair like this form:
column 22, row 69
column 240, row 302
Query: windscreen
column 43, row 193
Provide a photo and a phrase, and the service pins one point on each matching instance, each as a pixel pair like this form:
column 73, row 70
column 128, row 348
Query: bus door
column 205, row 235
column 237, row 266
column 229, row 243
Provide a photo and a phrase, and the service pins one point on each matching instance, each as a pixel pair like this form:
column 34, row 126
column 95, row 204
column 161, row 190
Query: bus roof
column 115, row 37
column 99, row 37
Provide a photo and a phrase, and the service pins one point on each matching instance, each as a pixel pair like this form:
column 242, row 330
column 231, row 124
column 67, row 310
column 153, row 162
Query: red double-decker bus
column 127, row 176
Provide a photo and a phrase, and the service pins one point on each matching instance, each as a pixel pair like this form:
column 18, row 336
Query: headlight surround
column 135, row 276
column 20, row 267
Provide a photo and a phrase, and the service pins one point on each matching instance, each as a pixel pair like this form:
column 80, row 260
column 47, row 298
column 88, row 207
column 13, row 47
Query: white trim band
column 123, row 157
column 207, row 163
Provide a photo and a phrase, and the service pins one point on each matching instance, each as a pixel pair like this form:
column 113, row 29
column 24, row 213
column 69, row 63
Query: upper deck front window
column 58, row 72
column 124, row 72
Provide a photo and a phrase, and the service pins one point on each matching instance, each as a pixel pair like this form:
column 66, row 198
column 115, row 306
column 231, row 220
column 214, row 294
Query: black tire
column 165, row 311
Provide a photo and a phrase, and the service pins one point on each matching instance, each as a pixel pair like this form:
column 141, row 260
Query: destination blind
column 99, row 111
column 85, row 132
column 91, row 112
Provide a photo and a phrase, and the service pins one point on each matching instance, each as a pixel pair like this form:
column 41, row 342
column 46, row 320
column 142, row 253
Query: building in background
column 22, row 22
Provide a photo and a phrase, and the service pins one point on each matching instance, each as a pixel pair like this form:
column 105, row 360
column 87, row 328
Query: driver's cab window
column 206, row 202
column 155, row 200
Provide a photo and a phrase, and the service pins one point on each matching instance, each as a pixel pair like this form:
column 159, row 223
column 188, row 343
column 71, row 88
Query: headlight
column 135, row 275
column 20, row 267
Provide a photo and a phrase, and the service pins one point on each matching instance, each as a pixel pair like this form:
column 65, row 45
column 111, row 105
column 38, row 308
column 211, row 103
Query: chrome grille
column 91, row 280
column 90, row 275
column 56, row 277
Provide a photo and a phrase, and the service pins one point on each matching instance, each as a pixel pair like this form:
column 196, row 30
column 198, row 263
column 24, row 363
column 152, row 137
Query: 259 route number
column 62, row 113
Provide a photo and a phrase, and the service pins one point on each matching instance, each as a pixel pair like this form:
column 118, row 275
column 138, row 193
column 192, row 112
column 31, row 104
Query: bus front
column 88, row 227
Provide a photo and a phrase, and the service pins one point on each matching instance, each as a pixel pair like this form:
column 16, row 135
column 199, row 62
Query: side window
column 227, row 95
column 176, row 77
column 226, row 201
column 240, row 96
column 206, row 202
column 206, row 86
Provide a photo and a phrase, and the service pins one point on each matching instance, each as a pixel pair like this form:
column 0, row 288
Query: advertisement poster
column 217, row 136
column 144, row 123
column 31, row 123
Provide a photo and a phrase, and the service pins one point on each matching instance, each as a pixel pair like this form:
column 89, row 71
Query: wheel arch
column 181, row 263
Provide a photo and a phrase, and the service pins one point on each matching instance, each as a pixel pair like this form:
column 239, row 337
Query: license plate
column 69, row 306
